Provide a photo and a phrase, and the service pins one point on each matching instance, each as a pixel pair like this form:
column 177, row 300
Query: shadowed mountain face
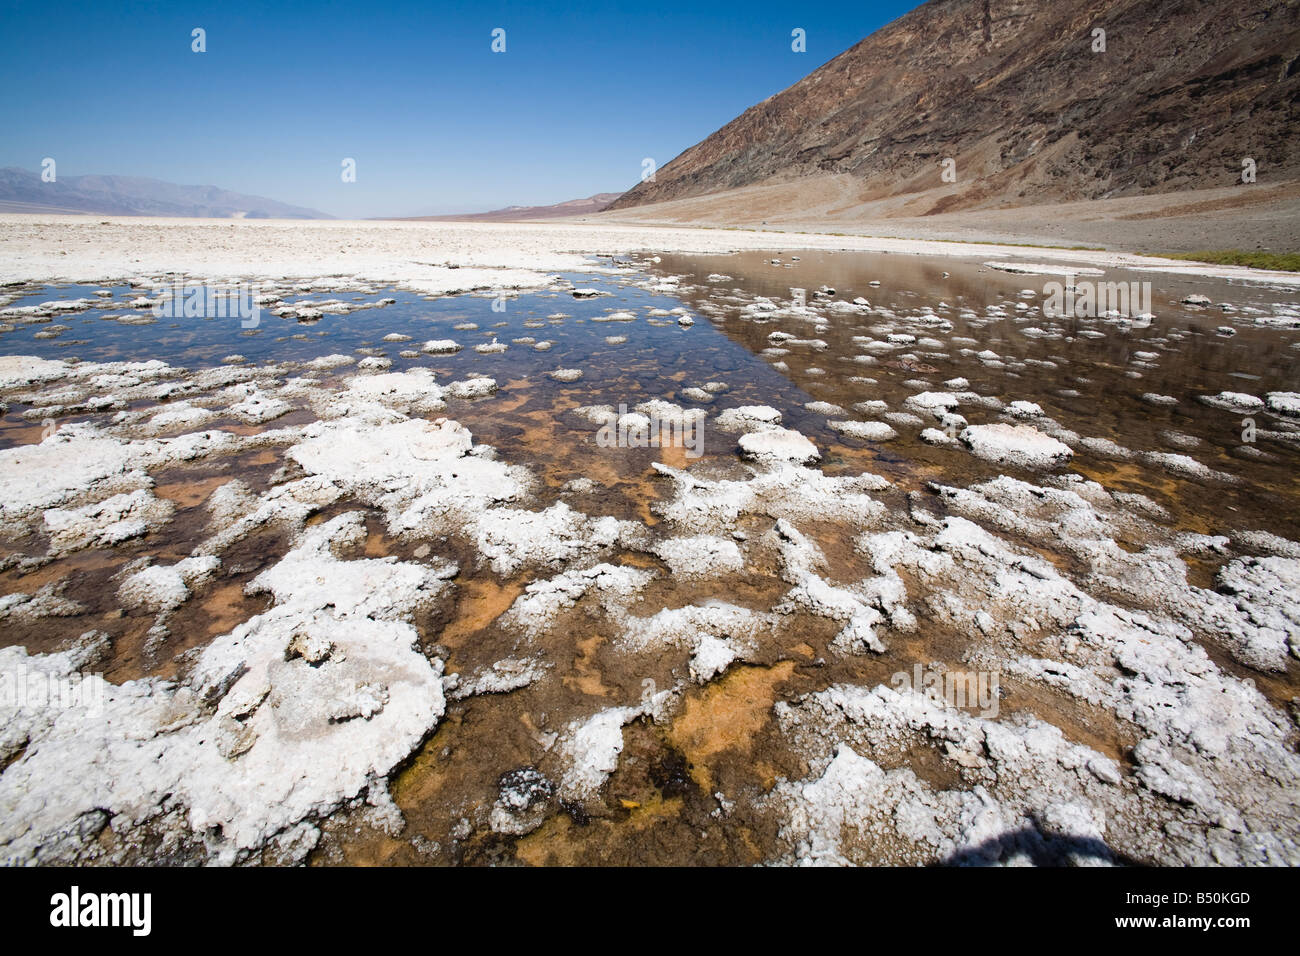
column 1014, row 92
column 24, row 191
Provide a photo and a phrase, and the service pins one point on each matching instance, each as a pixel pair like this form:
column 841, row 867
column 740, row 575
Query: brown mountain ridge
column 1014, row 93
column 559, row 210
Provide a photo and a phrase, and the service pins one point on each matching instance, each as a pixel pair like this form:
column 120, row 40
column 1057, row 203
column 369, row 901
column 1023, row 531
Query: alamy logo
column 37, row 689
column 75, row 908
column 960, row 689
column 1090, row 300
column 652, row 431
column 193, row 301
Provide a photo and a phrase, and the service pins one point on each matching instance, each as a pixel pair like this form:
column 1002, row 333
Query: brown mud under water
column 689, row 789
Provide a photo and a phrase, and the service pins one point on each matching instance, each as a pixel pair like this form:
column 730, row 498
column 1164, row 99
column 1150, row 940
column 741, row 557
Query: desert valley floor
column 925, row 574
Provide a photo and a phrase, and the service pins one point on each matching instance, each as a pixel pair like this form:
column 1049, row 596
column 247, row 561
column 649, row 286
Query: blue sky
column 435, row 120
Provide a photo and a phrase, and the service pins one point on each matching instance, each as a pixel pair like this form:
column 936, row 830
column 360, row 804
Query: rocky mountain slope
column 1014, row 92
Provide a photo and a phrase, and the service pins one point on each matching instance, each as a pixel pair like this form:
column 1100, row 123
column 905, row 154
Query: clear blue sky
column 434, row 119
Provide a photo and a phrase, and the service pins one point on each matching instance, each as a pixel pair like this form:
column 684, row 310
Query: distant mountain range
column 1020, row 102
column 24, row 191
column 571, row 207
